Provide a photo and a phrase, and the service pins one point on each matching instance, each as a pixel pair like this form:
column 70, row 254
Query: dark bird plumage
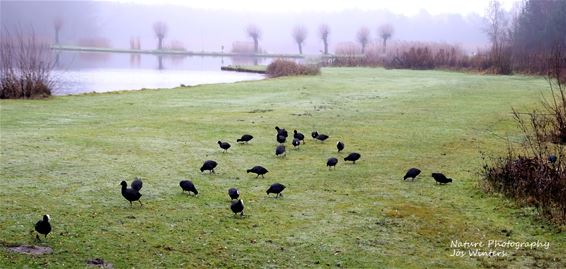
column 208, row 165
column 331, row 162
column 137, row 184
column 130, row 194
column 314, row 134
column 281, row 139
column 245, row 138
column 280, row 150
column 296, row 142
column 224, row 145
column 299, row 136
column 259, row 170
column 281, row 132
column 233, row 193
column 441, row 178
column 188, row 186
column 412, row 173
column 276, row 188
column 43, row 227
column 552, row 158
column 322, row 137
column 340, row 146
column 353, row 157
column 238, row 207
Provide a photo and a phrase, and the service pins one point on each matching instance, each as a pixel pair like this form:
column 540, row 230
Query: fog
column 209, row 30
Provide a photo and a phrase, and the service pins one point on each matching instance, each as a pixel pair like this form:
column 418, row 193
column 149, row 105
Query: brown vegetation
column 281, row 67
column 527, row 174
column 25, row 66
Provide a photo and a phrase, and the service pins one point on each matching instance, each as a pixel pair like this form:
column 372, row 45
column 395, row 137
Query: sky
column 405, row 7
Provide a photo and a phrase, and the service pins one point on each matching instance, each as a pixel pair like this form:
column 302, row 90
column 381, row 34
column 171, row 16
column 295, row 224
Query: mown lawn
column 67, row 155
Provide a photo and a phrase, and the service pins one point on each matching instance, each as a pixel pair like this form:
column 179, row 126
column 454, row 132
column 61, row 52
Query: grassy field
column 67, row 155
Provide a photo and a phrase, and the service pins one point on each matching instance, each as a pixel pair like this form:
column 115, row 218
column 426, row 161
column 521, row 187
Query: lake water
column 102, row 72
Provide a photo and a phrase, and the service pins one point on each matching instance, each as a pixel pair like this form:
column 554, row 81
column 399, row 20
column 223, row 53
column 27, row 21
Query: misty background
column 115, row 24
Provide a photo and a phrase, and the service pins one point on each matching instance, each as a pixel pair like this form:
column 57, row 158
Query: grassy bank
column 66, row 157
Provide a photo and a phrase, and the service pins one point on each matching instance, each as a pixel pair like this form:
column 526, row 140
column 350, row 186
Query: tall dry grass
column 25, row 66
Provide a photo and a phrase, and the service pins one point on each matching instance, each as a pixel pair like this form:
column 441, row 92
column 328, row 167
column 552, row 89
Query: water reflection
column 100, row 72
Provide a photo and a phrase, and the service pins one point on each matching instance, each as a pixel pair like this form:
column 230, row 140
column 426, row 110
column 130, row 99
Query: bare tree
column 363, row 38
column 324, row 31
column 57, row 25
column 160, row 29
column 255, row 33
column 496, row 24
column 300, row 34
column 498, row 33
column 385, row 32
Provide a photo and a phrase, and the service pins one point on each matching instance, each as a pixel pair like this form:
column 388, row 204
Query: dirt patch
column 98, row 262
column 31, row 250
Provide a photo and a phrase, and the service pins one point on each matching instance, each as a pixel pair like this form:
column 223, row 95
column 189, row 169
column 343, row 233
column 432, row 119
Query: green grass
column 67, row 155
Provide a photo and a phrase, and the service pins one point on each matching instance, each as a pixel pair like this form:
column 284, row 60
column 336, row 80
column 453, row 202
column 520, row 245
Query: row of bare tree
column 299, row 34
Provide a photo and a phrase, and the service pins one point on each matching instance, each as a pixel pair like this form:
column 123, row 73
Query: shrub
column 280, row 67
column 25, row 66
column 526, row 174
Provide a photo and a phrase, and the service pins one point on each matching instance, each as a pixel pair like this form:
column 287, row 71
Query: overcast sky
column 405, row 7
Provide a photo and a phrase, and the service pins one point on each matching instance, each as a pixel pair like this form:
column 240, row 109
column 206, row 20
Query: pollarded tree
column 300, row 34
column 363, row 38
column 255, row 33
column 57, row 25
column 324, row 31
column 385, row 32
column 160, row 30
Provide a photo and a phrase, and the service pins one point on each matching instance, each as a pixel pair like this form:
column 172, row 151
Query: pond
column 77, row 72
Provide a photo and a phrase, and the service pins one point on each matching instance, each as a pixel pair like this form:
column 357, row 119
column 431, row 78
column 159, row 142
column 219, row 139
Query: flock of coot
column 133, row 194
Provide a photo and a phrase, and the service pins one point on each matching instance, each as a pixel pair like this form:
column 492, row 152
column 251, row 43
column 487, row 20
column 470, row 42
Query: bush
column 25, row 66
column 531, row 181
column 280, row 67
column 527, row 174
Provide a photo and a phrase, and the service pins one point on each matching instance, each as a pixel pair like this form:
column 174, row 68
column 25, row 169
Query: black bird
column 208, row 165
column 353, row 157
column 43, row 227
column 130, row 194
column 280, row 150
column 238, row 207
column 299, row 136
column 245, row 138
column 224, row 145
column 282, row 132
column 331, row 162
column 314, row 134
column 137, row 184
column 259, row 170
column 296, row 142
column 340, row 146
column 321, row 137
column 281, row 139
column 233, row 193
column 188, row 186
column 441, row 178
column 276, row 188
column 552, row 158
column 412, row 173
